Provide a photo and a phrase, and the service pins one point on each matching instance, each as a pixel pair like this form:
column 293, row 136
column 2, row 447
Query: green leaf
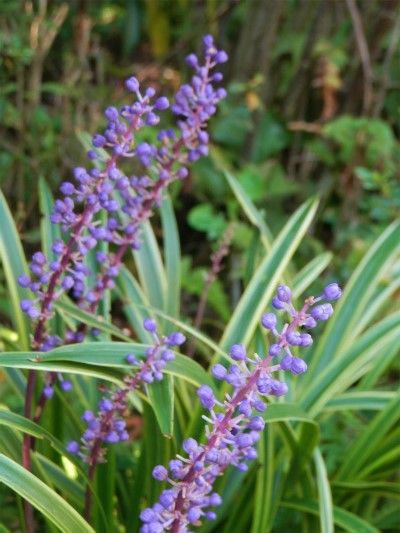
column 48, row 502
column 357, row 296
column 161, row 396
column 66, row 306
column 350, row 364
column 150, row 267
column 358, row 401
column 172, row 254
column 251, row 211
column 360, row 452
column 258, row 293
column 13, row 260
column 324, row 494
column 344, row 519
column 310, row 273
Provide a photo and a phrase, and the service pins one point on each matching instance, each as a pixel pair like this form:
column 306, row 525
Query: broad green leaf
column 358, row 401
column 48, row 502
column 161, row 396
column 360, row 452
column 324, row 494
column 342, row 518
column 14, row 263
column 89, row 319
column 251, row 211
column 102, row 356
column 357, row 294
column 351, row 364
column 136, row 304
column 172, row 254
column 150, row 267
column 309, row 273
column 258, row 293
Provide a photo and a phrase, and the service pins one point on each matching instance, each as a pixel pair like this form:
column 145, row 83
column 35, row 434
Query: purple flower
column 332, row 291
column 232, row 428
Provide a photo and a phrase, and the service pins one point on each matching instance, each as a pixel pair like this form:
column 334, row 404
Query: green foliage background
column 304, row 162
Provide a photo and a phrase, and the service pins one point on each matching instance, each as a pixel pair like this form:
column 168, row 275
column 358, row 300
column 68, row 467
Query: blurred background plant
column 313, row 108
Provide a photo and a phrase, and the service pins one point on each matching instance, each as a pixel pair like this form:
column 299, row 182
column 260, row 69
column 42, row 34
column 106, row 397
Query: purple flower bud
column 263, row 385
column 221, row 57
column 160, row 473
column 161, row 103
column 67, row 283
column 167, row 498
column 215, row 500
column 167, row 355
column 193, row 514
column 176, row 339
column 238, row 352
column 148, row 515
column 260, row 406
column 58, row 247
column 274, row 350
column 73, row 447
column 306, row 340
column 245, row 408
column 48, row 392
column 294, row 338
column 256, row 423
column 219, row 372
column 25, row 305
column 207, row 398
column 278, row 388
column 277, row 303
column 298, row 366
column 322, row 312
column 66, row 385
column 111, row 113
column 192, row 61
column 243, row 440
column 131, row 359
column 105, row 405
column 67, row 188
column 39, row 258
column 269, row 320
column 24, row 281
column 286, row 362
column 149, row 325
column 112, row 437
column 310, row 323
column 332, row 291
column 99, row 141
column 33, row 313
column 190, row 446
column 284, row 294
column 88, row 416
column 132, row 84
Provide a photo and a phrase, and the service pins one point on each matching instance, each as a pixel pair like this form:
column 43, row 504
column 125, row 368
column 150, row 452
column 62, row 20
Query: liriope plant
column 282, row 480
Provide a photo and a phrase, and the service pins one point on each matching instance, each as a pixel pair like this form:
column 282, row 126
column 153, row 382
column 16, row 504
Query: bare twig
column 364, row 53
column 385, row 78
column 216, row 266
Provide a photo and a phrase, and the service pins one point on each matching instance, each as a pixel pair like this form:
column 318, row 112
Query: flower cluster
column 127, row 200
column 233, row 426
column 108, row 426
